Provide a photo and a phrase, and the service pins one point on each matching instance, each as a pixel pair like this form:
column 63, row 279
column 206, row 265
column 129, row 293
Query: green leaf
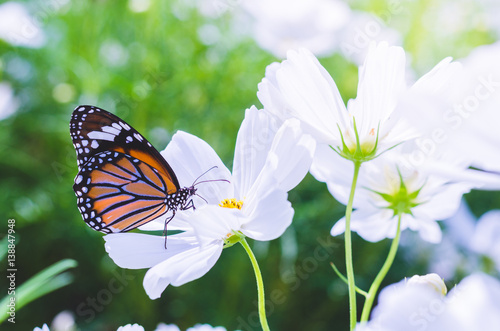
column 46, row 281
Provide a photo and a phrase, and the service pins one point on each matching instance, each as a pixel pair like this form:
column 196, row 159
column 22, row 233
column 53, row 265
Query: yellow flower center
column 231, row 203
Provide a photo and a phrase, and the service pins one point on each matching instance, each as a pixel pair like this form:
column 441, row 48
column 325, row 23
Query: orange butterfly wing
column 117, row 192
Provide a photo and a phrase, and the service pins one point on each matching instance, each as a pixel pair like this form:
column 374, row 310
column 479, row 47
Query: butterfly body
column 123, row 181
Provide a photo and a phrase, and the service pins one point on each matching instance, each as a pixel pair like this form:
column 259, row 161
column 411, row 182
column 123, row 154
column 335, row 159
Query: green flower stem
column 348, row 250
column 381, row 275
column 360, row 291
column 260, row 285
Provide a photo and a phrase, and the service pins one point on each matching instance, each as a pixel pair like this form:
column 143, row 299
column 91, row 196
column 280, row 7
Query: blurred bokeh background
column 194, row 65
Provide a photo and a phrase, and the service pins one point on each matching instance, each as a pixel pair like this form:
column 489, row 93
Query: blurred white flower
column 476, row 111
column 43, row 328
column 167, row 327
column 474, row 304
column 269, row 160
column 453, row 255
column 386, row 187
column 281, row 25
column 468, row 245
column 8, row 102
column 113, row 53
column 206, row 327
column 139, row 6
column 64, row 321
column 486, row 237
column 462, row 124
column 197, row 327
column 18, row 27
column 476, row 238
column 130, row 327
column 300, row 87
column 363, row 29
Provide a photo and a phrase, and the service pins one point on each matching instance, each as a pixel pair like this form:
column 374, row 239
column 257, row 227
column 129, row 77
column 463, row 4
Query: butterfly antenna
column 212, row 180
column 208, row 181
column 203, row 174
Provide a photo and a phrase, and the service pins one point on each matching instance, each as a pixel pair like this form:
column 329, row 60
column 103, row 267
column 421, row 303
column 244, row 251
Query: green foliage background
column 172, row 81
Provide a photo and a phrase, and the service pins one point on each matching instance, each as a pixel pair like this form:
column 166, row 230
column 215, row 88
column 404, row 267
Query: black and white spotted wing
column 94, row 130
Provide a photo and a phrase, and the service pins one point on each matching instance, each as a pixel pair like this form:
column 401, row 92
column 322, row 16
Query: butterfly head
column 191, row 191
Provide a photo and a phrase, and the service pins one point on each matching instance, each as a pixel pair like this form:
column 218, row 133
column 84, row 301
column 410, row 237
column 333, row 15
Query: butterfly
column 123, row 181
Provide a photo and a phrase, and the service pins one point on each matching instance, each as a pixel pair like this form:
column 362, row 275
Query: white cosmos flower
column 385, row 184
column 300, row 87
column 474, row 304
column 269, row 160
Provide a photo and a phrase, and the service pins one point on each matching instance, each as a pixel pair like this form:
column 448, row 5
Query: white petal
column 268, row 217
column 137, row 250
column 381, row 81
column 337, row 173
column 312, row 94
column 372, row 225
column 253, row 143
column 291, row 155
column 439, row 77
column 190, row 157
column 330, row 168
column 270, row 96
column 429, row 230
column 179, row 222
column 266, row 153
column 440, row 202
column 213, row 223
column 181, row 268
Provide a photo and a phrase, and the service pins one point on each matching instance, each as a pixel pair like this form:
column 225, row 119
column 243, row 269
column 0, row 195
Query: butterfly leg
column 165, row 230
column 188, row 205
